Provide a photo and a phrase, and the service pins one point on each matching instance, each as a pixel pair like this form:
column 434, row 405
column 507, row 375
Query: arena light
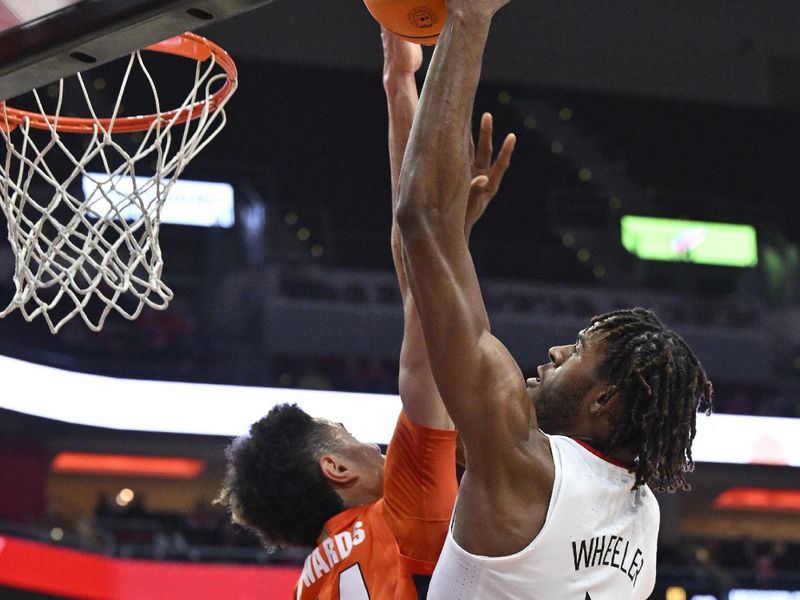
column 164, row 467
column 226, row 410
column 675, row 592
column 199, row 203
column 179, row 407
column 759, row 499
column 738, row 439
column 741, row 594
column 701, row 242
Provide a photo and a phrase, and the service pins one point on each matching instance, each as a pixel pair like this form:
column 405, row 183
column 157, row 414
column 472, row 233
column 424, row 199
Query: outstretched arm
column 508, row 460
column 421, row 401
column 418, row 392
column 481, row 385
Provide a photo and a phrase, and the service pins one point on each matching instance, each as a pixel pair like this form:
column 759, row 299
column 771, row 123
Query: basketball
column 418, row 21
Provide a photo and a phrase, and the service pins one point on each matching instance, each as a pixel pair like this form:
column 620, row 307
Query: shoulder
column 649, row 501
column 418, row 454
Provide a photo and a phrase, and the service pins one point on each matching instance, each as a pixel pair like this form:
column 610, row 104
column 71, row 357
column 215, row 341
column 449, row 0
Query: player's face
column 371, row 453
column 563, row 385
column 367, row 459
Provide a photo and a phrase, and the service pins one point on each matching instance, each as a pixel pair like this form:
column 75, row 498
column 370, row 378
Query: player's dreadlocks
column 660, row 384
column 274, row 486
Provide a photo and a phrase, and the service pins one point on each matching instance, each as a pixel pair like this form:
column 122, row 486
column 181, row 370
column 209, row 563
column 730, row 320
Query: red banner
column 48, row 569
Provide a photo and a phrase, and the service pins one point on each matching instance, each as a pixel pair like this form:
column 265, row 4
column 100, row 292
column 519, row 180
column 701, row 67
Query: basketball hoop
column 88, row 252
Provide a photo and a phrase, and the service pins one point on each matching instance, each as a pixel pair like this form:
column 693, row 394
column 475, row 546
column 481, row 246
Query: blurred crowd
column 233, row 345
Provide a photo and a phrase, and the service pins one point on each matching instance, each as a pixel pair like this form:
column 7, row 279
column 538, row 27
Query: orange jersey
column 373, row 551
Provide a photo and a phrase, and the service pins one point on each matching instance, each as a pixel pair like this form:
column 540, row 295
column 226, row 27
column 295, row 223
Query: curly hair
column 661, row 385
column 274, row 486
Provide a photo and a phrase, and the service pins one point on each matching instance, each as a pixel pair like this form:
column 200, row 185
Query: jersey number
column 352, row 585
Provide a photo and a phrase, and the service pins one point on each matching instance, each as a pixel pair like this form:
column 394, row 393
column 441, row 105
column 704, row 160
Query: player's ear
column 603, row 400
column 336, row 470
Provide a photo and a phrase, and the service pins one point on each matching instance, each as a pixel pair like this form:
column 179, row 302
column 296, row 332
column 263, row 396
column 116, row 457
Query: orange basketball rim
column 188, row 45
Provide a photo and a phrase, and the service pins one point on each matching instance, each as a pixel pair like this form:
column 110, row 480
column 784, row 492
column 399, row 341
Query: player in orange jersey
column 376, row 526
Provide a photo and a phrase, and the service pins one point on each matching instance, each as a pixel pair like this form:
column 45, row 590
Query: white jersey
column 598, row 541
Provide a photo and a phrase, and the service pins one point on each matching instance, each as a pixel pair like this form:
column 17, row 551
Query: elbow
column 407, row 215
column 417, row 221
column 414, row 212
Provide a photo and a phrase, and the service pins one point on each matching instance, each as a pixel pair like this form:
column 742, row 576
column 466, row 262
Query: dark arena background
column 112, row 443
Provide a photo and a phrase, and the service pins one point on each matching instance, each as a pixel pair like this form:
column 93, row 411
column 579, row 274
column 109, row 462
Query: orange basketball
column 418, row 21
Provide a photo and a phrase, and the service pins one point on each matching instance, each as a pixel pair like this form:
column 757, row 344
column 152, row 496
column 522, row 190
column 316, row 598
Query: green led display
column 699, row 242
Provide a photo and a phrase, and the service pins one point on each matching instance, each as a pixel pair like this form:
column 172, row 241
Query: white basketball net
column 89, row 245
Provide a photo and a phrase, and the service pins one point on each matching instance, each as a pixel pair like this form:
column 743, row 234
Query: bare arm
column 503, row 498
column 479, row 381
column 418, row 392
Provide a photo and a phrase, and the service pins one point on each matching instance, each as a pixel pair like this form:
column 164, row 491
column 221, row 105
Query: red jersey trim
column 599, row 454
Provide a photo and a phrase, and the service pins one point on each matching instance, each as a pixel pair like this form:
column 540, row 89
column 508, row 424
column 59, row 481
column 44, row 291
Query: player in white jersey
column 562, row 515
column 376, row 526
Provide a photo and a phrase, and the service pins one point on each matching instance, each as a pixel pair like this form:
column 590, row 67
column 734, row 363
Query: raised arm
column 481, row 385
column 418, row 392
